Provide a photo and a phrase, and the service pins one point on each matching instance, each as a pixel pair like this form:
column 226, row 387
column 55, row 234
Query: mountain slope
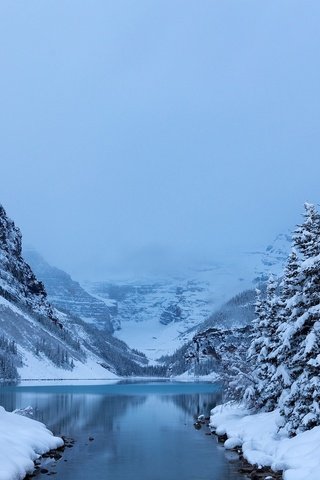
column 158, row 315
column 216, row 343
column 39, row 341
column 153, row 315
column 67, row 295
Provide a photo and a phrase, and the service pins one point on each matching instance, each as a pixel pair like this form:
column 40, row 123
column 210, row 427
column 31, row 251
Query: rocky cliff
column 17, row 281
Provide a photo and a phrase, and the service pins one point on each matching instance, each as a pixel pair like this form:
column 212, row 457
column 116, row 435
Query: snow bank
column 262, row 444
column 22, row 440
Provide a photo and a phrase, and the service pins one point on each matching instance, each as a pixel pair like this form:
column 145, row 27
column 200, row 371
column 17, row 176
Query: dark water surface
column 141, row 431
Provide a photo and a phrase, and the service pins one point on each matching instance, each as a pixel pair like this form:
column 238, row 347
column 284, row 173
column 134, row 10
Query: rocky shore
column 254, row 472
column 45, row 465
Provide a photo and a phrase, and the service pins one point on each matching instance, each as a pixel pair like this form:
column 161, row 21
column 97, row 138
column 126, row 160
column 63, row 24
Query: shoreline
column 252, row 471
column 44, row 465
column 255, row 472
column 261, row 441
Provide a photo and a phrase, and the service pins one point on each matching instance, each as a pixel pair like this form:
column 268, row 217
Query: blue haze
column 161, row 129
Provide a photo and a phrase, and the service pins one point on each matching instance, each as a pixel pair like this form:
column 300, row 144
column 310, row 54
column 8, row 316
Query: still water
column 141, row 431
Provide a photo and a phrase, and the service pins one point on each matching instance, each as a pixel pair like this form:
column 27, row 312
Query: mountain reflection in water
column 140, row 431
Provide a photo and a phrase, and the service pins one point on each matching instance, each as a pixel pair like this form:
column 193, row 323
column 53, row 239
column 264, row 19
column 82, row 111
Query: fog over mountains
column 157, row 314
column 54, row 327
column 38, row 340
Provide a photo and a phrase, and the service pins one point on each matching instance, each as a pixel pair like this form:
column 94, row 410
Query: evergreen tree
column 285, row 347
column 252, row 393
column 306, row 236
column 271, row 387
column 265, row 341
column 301, row 408
column 282, row 346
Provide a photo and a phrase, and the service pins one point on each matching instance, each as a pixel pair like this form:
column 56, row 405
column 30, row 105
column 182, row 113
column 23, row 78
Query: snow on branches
column 285, row 346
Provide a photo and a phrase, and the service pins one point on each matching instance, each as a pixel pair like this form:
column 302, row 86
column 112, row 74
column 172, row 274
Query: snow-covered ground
column 154, row 339
column 22, row 441
column 263, row 445
column 41, row 368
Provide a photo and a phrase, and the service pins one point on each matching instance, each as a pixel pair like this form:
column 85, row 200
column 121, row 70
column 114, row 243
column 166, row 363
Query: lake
column 140, row 431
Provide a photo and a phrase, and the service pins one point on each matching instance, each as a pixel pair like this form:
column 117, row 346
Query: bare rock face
column 17, row 281
column 218, row 344
column 173, row 313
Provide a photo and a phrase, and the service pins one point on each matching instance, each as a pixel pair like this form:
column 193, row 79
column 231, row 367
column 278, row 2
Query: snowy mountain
column 158, row 315
column 214, row 345
column 39, row 341
column 67, row 295
column 153, row 316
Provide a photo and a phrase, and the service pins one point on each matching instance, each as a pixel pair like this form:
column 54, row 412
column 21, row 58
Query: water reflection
column 140, row 431
column 196, row 404
column 67, row 412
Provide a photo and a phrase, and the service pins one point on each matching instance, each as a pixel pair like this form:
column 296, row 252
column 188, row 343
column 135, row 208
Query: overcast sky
column 157, row 129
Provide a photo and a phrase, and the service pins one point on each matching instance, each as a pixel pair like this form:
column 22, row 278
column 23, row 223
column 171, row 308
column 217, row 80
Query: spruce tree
column 262, row 396
column 301, row 407
column 283, row 346
column 306, row 236
column 251, row 393
column 268, row 389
